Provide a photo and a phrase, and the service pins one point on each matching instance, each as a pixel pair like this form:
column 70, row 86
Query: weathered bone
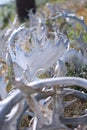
column 43, row 53
column 71, row 16
column 56, row 51
column 64, row 81
column 76, row 93
column 7, row 104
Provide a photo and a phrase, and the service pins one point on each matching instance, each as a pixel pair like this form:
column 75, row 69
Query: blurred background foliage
column 8, row 11
column 7, row 14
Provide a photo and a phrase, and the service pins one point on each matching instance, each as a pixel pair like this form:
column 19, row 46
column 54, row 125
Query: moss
column 80, row 71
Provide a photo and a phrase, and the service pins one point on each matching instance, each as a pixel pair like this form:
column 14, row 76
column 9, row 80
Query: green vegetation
column 7, row 14
column 80, row 71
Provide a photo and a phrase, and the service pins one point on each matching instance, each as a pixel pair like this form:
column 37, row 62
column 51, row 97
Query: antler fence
column 43, row 50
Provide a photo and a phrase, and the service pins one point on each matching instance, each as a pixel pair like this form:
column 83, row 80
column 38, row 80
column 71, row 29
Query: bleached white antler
column 42, row 56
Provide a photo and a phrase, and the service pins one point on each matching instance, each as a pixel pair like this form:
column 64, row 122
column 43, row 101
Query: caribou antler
column 32, row 51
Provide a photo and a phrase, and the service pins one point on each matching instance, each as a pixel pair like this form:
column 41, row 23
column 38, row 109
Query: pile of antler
column 33, row 52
